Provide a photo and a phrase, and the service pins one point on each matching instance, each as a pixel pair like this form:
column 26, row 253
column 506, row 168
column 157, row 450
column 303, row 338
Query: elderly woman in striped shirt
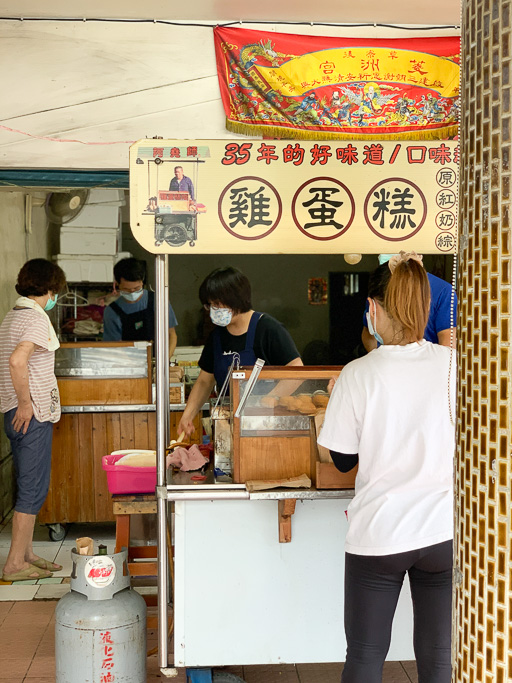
column 29, row 399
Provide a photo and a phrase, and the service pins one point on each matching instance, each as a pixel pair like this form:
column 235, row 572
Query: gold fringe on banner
column 282, row 133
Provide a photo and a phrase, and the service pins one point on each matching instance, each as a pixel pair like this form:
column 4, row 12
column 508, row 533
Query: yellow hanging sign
column 282, row 197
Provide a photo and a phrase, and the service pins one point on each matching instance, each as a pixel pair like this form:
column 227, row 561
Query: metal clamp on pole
column 161, row 492
column 235, row 366
column 250, row 385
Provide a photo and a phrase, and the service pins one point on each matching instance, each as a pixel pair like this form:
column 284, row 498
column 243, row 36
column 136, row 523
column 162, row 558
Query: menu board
column 294, row 197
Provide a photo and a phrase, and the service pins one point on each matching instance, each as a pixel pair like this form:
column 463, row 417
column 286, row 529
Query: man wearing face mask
column 132, row 316
column 442, row 299
column 226, row 294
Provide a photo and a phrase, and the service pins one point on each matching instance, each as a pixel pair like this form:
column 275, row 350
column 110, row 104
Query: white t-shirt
column 28, row 325
column 391, row 407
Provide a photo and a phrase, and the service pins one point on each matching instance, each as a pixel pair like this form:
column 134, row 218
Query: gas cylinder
column 100, row 625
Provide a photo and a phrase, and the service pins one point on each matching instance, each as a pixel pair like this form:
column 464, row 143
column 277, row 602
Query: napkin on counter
column 187, row 459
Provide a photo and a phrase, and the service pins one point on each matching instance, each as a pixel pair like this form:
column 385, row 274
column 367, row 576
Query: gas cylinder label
column 100, row 571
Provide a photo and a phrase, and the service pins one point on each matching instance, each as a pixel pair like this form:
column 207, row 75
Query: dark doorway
column 347, row 300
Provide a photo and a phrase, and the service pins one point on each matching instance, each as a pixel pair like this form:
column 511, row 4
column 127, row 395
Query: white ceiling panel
column 438, row 12
column 77, row 93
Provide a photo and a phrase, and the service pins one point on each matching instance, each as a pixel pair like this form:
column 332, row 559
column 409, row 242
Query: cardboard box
column 176, row 392
column 176, row 374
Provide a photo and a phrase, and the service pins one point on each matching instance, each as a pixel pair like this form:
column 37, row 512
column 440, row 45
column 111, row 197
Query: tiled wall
column 483, row 527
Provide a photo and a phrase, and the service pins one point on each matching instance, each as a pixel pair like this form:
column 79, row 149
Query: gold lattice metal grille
column 483, row 598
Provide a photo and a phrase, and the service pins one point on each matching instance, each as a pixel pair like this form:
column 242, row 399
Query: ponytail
column 407, row 297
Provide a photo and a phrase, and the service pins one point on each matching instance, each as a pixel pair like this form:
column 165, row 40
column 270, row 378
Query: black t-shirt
column 272, row 343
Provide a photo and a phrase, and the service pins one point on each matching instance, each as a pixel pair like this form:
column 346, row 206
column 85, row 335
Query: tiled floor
column 60, row 552
column 27, row 623
column 27, row 634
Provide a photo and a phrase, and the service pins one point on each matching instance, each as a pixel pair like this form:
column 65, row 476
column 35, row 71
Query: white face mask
column 131, row 296
column 220, row 316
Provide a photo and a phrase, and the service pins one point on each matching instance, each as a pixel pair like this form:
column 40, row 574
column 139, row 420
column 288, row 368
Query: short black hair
column 228, row 286
column 130, row 269
column 38, row 277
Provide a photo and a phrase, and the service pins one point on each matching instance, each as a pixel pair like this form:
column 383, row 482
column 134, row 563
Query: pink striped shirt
column 20, row 325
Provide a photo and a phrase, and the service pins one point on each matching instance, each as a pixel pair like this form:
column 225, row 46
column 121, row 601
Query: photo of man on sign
column 175, row 208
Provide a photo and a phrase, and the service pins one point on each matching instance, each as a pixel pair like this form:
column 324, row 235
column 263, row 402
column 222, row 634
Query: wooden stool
column 124, row 507
column 140, row 504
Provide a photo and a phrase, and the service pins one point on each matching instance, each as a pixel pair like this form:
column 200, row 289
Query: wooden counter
column 78, row 485
column 101, row 413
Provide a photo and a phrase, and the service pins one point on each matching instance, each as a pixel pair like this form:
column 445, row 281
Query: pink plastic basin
column 128, row 479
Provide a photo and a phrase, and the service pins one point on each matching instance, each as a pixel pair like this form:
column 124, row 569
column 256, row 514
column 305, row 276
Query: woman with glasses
column 226, row 294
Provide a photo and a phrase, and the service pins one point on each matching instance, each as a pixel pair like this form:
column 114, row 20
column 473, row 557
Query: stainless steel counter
column 181, row 486
column 301, row 494
column 130, row 408
column 230, row 492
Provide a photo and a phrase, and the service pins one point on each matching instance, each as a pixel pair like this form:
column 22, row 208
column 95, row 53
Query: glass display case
column 99, row 373
column 95, row 360
column 275, row 421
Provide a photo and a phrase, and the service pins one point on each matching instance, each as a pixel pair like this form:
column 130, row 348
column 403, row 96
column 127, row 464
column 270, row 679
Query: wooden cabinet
column 78, row 485
column 94, row 392
column 275, row 438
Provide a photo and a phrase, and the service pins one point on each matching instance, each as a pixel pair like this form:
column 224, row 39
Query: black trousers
column 372, row 587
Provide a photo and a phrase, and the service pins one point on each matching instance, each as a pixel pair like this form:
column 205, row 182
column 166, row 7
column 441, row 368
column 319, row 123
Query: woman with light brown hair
column 392, row 413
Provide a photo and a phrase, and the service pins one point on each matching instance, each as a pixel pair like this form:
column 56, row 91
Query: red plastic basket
column 122, row 479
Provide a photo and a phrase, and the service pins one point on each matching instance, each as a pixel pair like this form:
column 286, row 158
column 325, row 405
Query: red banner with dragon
column 311, row 87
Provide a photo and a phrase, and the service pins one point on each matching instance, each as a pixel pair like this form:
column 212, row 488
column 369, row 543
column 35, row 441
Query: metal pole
column 162, row 432
column 166, row 358
column 167, row 419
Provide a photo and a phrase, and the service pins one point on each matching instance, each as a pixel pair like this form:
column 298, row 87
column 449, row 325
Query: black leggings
column 372, row 587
